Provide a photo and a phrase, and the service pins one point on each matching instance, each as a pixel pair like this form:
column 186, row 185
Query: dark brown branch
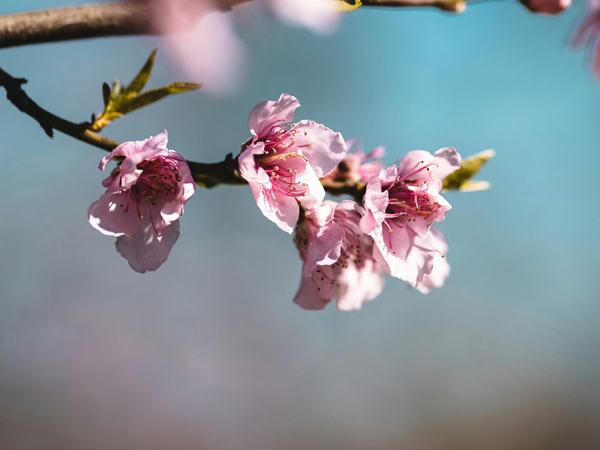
column 47, row 120
column 206, row 175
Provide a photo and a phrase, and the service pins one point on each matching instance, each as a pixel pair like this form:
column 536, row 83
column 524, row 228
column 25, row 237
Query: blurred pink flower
column 143, row 201
column 401, row 204
column 337, row 257
column 320, row 16
column 283, row 163
column 546, row 6
column 202, row 41
column 357, row 167
column 588, row 33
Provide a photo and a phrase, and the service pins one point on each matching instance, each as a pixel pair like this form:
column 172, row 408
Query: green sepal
column 460, row 180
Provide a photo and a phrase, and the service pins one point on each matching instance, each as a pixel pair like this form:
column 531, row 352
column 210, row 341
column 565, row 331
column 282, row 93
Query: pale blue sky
column 210, row 347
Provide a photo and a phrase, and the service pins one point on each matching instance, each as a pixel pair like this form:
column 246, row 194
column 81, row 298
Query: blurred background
column 209, row 352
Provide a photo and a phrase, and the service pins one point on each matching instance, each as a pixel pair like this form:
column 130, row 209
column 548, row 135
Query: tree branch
column 126, row 18
column 206, row 175
column 47, row 120
column 446, row 5
column 130, row 18
column 80, row 22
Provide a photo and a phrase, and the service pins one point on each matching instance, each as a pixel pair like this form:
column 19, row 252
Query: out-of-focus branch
column 80, row 22
column 446, row 5
column 206, row 175
column 83, row 22
column 132, row 17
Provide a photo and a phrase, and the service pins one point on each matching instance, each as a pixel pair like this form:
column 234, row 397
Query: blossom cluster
column 345, row 247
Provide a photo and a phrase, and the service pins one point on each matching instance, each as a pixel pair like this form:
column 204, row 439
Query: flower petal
column 315, row 193
column 310, row 297
column 359, row 285
column 145, row 251
column 441, row 268
column 115, row 214
column 266, row 114
column 323, row 147
column 425, row 167
column 249, row 170
column 324, row 249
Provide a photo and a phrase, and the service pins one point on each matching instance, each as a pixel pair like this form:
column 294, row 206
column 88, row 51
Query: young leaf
column 119, row 101
column 142, row 77
column 154, row 95
column 461, row 178
column 106, row 93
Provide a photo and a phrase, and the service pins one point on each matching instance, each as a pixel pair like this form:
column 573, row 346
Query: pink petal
column 441, row 268
column 114, row 214
column 413, row 258
column 324, row 249
column 441, row 164
column 376, row 153
column 309, row 297
column 376, row 200
column 145, row 251
column 266, row 114
column 249, row 170
column 359, row 285
column 315, row 193
column 284, row 214
column 323, row 148
column 171, row 211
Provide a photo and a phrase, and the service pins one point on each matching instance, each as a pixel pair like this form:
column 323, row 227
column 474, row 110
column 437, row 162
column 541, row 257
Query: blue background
column 209, row 351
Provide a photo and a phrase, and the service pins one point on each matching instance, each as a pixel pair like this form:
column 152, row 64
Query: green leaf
column 461, row 178
column 155, row 95
column 142, row 77
column 119, row 101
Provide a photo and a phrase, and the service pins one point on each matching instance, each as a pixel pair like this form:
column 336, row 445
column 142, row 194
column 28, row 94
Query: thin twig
column 47, row 120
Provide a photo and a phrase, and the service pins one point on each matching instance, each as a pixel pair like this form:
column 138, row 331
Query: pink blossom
column 401, row 204
column 337, row 257
column 546, row 6
column 588, row 33
column 357, row 167
column 143, row 201
column 283, row 163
